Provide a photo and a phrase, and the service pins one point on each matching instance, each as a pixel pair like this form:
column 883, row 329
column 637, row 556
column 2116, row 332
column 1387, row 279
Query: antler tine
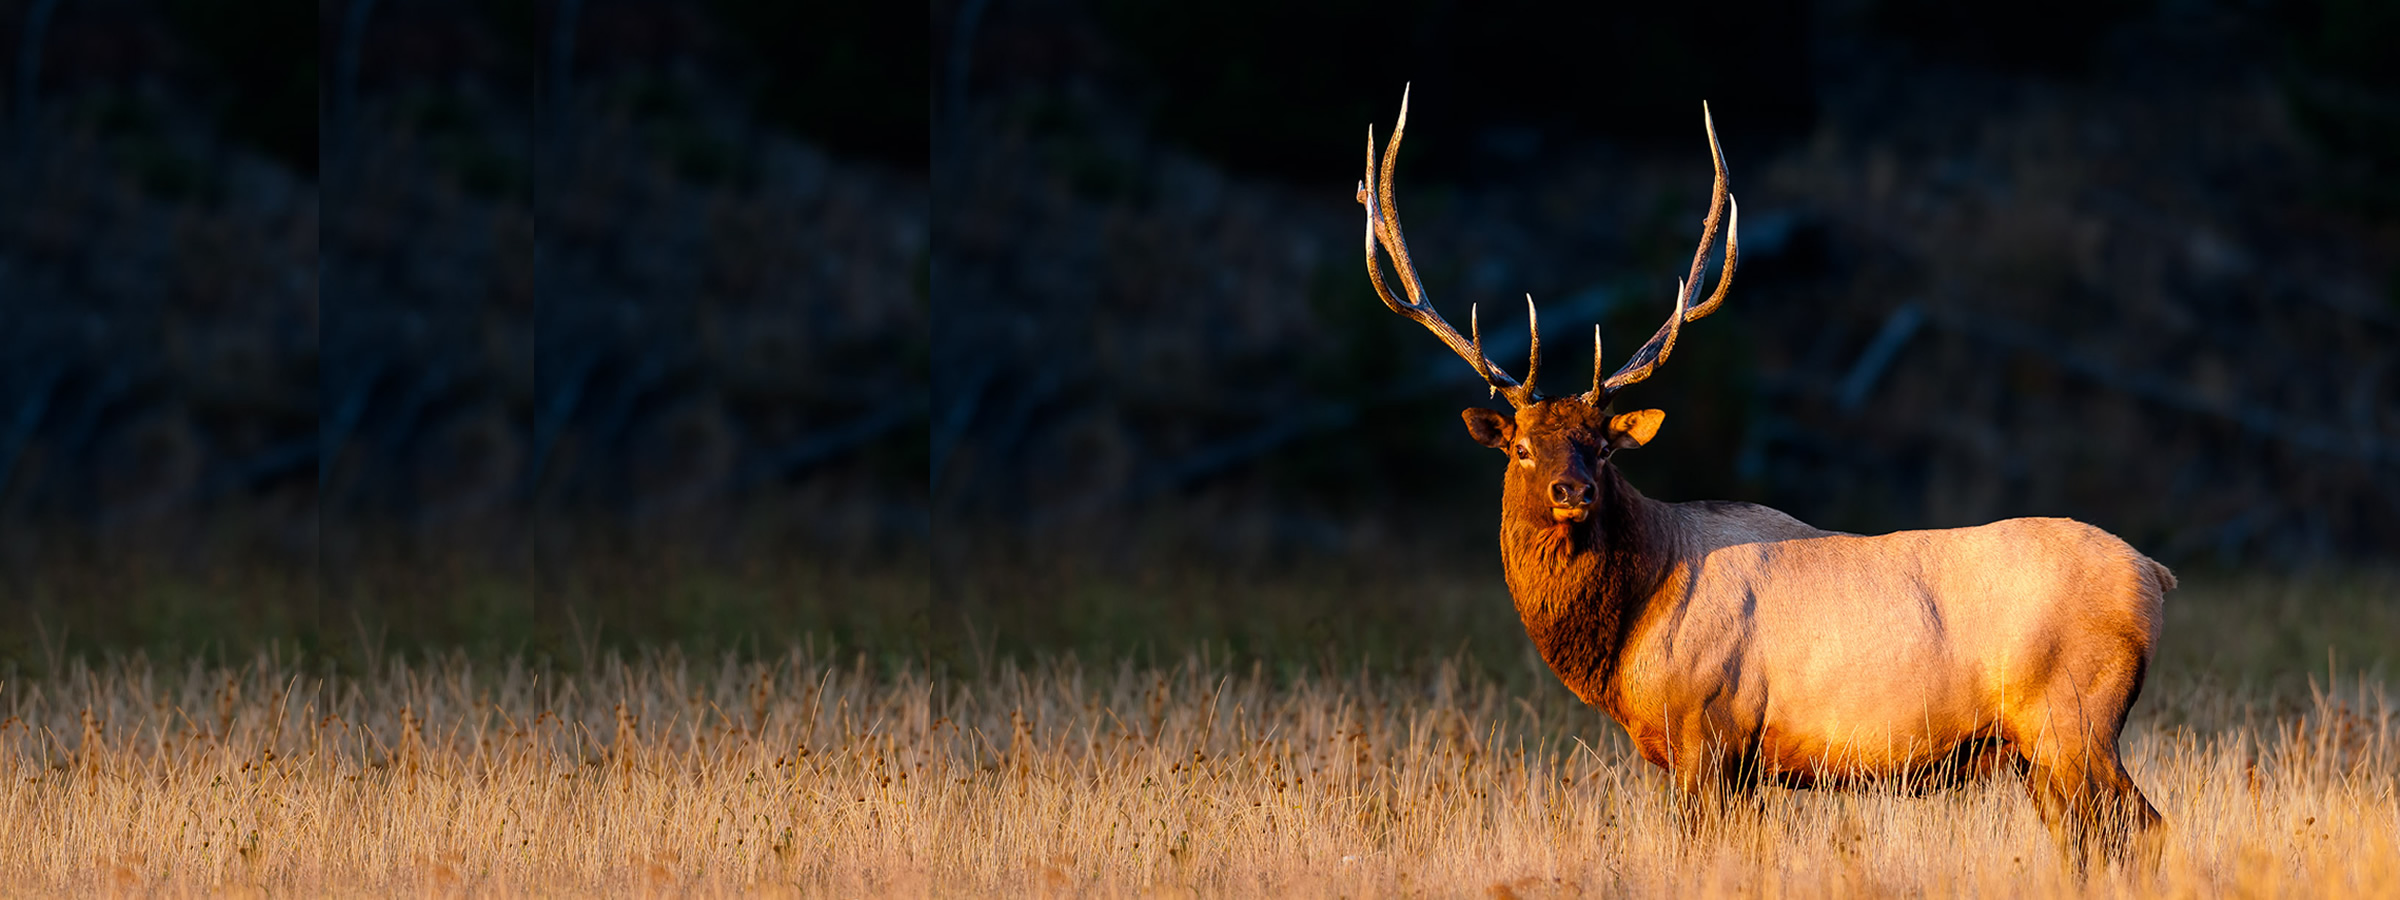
column 1413, row 308
column 1388, row 220
column 1652, row 353
column 1718, row 200
column 1533, row 356
column 1593, row 396
column 1733, row 252
column 1475, row 333
column 1383, row 227
column 1647, row 359
column 1366, row 197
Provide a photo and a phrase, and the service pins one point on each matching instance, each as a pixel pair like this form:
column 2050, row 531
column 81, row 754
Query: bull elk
column 1738, row 646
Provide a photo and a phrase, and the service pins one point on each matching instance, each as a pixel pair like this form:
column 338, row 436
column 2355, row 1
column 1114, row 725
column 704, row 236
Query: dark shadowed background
column 545, row 325
column 2126, row 261
column 520, row 326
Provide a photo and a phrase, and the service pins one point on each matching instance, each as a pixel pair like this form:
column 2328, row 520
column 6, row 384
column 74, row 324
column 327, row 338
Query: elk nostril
column 1568, row 493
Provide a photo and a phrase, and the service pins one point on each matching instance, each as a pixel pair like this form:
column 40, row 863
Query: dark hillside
column 2118, row 261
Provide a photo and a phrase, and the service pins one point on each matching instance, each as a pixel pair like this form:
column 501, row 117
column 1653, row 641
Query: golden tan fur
column 1738, row 645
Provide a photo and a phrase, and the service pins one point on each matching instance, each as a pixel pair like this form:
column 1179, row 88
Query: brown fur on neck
column 1579, row 585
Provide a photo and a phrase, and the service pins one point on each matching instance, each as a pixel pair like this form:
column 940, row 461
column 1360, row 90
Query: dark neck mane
column 1579, row 587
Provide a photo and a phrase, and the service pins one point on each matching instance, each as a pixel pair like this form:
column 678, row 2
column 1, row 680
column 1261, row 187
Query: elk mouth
column 1565, row 514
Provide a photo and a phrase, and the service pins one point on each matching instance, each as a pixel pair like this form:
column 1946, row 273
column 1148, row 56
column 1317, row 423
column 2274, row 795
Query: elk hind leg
column 2073, row 770
column 2131, row 830
column 2094, row 809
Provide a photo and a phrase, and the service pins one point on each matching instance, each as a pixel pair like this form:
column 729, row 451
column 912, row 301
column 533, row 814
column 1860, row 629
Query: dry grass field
column 812, row 772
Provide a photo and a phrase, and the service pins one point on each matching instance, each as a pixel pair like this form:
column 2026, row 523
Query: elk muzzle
column 1571, row 499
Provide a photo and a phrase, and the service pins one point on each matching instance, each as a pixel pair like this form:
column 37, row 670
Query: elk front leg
column 1716, row 792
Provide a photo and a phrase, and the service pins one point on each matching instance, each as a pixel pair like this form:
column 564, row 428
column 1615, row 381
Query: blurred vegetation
column 561, row 617
column 2280, row 633
column 2343, row 81
column 2249, row 633
column 1998, row 260
column 1157, row 233
column 179, row 475
column 1440, row 598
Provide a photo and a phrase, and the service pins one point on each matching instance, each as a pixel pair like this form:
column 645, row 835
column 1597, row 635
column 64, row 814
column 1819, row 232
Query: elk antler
column 1651, row 355
column 1383, row 225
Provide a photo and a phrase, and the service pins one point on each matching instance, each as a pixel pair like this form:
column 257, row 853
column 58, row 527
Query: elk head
column 1558, row 447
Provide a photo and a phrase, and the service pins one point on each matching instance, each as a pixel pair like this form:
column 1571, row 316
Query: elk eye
column 1523, row 453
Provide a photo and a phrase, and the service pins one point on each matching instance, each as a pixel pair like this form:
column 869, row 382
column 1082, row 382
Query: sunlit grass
column 824, row 773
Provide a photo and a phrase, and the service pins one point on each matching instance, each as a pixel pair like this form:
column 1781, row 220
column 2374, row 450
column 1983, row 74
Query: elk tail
column 2160, row 576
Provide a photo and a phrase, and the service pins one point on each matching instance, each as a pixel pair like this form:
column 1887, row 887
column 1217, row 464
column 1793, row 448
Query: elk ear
column 1634, row 429
column 1489, row 428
